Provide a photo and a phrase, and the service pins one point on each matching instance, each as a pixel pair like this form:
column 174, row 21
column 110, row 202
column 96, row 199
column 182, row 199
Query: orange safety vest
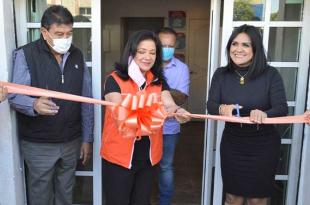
column 117, row 149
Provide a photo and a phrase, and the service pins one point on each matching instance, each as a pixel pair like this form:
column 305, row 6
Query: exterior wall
column 304, row 178
column 74, row 5
column 304, row 181
column 11, row 180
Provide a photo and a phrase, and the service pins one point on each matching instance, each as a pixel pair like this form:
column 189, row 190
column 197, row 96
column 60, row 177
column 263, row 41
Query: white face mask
column 61, row 45
column 135, row 73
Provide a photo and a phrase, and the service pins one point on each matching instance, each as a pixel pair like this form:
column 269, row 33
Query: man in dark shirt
column 50, row 130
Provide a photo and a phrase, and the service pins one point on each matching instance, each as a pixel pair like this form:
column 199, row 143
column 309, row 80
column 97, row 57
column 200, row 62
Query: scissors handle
column 238, row 110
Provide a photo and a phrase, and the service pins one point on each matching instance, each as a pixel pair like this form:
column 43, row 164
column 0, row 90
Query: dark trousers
column 128, row 186
column 50, row 171
column 166, row 169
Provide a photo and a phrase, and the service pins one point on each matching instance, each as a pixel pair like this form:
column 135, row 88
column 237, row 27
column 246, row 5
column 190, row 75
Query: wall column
column 11, row 176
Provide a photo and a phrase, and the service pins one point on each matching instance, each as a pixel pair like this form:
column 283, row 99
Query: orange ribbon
column 304, row 118
column 38, row 92
column 141, row 114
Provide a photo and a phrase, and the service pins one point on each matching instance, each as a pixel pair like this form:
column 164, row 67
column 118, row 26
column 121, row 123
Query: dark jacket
column 45, row 73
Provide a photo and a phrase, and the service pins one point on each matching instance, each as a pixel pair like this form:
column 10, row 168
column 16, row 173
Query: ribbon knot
column 139, row 115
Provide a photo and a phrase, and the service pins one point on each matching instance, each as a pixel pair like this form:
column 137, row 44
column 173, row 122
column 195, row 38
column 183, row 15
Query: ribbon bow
column 139, row 115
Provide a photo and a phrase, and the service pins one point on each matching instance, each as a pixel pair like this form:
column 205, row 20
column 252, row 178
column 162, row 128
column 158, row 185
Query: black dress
column 249, row 153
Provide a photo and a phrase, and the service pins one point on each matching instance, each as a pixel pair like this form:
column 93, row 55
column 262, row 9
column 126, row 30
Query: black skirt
column 249, row 158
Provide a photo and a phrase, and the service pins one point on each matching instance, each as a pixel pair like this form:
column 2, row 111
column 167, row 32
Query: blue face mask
column 168, row 53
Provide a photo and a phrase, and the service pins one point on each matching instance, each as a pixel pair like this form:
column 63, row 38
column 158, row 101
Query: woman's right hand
column 183, row 116
column 226, row 110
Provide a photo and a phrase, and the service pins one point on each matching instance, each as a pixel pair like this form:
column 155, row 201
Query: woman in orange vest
column 129, row 164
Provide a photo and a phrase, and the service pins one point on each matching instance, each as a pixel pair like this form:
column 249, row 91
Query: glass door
column 87, row 37
column 282, row 23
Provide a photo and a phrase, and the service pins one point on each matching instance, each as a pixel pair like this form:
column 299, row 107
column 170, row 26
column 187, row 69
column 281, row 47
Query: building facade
column 99, row 33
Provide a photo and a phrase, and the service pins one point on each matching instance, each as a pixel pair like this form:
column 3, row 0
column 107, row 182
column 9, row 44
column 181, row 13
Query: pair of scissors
column 237, row 107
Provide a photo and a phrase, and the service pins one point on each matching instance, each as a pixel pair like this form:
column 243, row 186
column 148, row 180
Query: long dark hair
column 131, row 50
column 259, row 61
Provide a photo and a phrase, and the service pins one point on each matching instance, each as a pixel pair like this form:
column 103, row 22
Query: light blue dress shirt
column 177, row 76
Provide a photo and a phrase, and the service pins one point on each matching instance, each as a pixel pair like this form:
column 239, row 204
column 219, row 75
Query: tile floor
column 188, row 166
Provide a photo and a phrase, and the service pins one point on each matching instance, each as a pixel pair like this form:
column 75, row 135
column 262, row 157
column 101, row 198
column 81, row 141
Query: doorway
column 129, row 25
column 119, row 24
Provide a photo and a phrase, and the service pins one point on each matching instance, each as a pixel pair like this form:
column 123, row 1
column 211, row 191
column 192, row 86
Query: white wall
column 11, row 183
column 113, row 10
column 304, row 180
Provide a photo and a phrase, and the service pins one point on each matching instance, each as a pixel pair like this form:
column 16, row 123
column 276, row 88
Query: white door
column 86, row 36
column 197, row 61
column 285, row 29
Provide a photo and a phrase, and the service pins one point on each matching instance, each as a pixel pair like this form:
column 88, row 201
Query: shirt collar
column 172, row 63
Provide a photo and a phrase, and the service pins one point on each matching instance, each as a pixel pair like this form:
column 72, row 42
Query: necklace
column 241, row 81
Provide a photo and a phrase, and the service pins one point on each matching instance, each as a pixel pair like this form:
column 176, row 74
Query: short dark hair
column 167, row 30
column 56, row 14
column 259, row 61
column 131, row 50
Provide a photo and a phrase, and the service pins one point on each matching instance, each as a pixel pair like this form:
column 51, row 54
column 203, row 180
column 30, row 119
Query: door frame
column 210, row 160
column 96, row 82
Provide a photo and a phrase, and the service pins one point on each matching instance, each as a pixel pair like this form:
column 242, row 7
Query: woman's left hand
column 182, row 115
column 257, row 116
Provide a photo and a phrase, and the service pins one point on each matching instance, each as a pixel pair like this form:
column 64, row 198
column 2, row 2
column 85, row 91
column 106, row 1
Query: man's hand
column 307, row 115
column 3, row 93
column 44, row 106
column 86, row 152
column 178, row 97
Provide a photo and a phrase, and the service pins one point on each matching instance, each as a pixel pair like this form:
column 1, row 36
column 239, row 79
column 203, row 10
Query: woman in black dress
column 249, row 153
